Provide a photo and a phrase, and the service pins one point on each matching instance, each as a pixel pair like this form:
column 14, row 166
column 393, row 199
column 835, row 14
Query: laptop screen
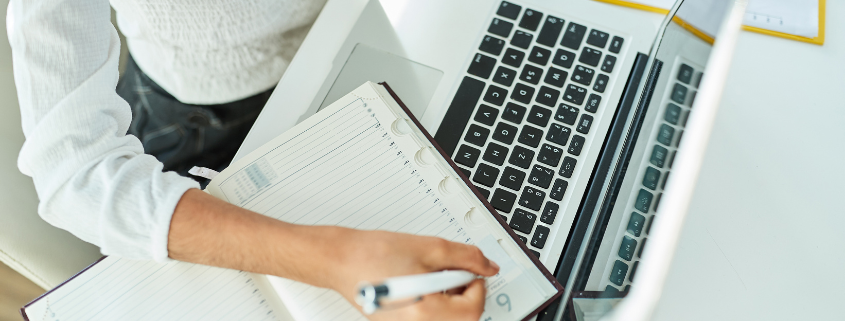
column 637, row 161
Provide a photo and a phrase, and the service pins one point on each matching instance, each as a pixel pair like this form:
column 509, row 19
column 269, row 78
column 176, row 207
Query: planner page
column 122, row 289
column 360, row 164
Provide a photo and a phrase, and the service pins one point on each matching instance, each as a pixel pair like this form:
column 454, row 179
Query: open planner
column 363, row 162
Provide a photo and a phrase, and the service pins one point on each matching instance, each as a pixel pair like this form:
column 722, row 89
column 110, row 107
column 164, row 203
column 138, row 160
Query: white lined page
column 122, row 289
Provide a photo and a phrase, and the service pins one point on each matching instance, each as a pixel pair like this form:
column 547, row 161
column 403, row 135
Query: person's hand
column 372, row 256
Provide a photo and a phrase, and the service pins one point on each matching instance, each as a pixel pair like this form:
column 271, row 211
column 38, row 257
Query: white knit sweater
column 92, row 179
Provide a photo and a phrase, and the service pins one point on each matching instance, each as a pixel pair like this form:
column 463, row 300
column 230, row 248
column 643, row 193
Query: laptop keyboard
column 521, row 119
column 655, row 172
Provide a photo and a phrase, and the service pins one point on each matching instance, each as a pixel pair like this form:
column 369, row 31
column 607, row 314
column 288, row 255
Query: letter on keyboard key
column 573, row 36
column 651, row 177
column 679, row 94
column 616, row 45
column 665, row 134
column 658, row 156
column 584, row 124
column 643, row 201
column 530, row 136
column 495, row 153
column 504, row 76
column 549, row 155
column 477, row 135
column 547, row 96
column 593, row 103
column 539, row 116
column 576, row 145
column 495, row 95
column 626, row 250
column 590, row 56
column 531, row 19
column 564, row 58
column 522, row 221
column 513, row 113
column 558, row 190
column 673, row 114
column 521, row 157
column 568, row 167
column 500, row 28
column 635, row 224
column 522, row 93
column 566, row 114
column 574, row 94
column 513, row 57
column 617, row 274
column 582, row 75
column 550, row 31
column 549, row 213
column 558, row 134
column 601, row 83
column 457, row 116
column 467, row 156
column 512, row 178
column 486, row 115
column 532, row 198
column 481, row 66
column 503, row 200
column 521, row 39
column 504, row 133
column 508, row 10
column 531, row 74
column 539, row 56
column 597, row 38
column 685, row 74
column 555, row 77
column 540, row 236
column 541, row 176
column 486, row 175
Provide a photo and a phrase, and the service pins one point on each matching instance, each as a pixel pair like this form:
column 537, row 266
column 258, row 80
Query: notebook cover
column 484, row 201
column 23, row 309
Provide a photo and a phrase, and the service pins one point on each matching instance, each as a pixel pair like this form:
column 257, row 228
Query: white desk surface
column 764, row 236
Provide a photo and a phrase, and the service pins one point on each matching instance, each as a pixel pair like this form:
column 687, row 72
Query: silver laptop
column 551, row 108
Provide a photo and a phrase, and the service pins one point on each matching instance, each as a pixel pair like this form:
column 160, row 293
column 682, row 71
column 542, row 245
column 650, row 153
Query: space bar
column 449, row 133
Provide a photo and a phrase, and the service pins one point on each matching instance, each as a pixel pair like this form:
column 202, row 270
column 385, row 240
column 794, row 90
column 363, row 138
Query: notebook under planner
column 362, row 162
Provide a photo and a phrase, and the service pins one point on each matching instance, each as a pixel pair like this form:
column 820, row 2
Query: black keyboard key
column 532, row 198
column 643, row 201
column 504, row 133
column 522, row 238
column 550, row 31
column 541, row 176
column 500, row 28
column 635, row 224
column 547, row 96
column 530, row 136
column 584, row 124
column 522, row 93
column 679, row 94
column 685, row 74
column 574, row 94
column 503, row 200
column 513, row 57
column 597, row 38
column 576, row 144
column 617, row 274
column 495, row 153
column 564, row 58
column 582, row 75
column 531, row 74
column 568, row 167
column 486, row 115
column 495, row 95
column 549, row 155
column 573, row 36
column 627, row 248
column 508, row 10
column 549, row 213
column 512, row 178
column 590, row 56
column 539, row 56
column 457, row 116
column 481, row 66
column 665, row 134
column 558, row 134
column 531, row 19
column 633, row 271
column 504, row 76
column 513, row 113
column 521, row 39
column 558, row 189
column 539, row 116
column 601, row 83
column 486, row 175
column 484, row 192
column 609, row 62
column 673, row 114
column 535, row 253
column 522, row 221
column 555, row 77
column 651, row 177
column 521, row 157
column 492, row 45
column 467, row 156
column 593, row 103
column 658, row 156
column 616, row 45
column 566, row 114
column 541, row 234
column 465, row 171
column 477, row 135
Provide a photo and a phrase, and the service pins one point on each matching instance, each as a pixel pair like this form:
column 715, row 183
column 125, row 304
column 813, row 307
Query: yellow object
column 819, row 40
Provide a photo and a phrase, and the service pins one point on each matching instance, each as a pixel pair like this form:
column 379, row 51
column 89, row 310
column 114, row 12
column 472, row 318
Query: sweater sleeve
column 92, row 179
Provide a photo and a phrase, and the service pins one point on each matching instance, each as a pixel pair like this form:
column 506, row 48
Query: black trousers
column 183, row 135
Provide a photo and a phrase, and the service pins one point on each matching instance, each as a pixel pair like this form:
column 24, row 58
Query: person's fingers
column 474, row 294
column 451, row 255
column 463, row 306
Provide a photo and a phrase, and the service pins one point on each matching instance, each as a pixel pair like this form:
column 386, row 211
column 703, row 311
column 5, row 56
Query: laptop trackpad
column 413, row 82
